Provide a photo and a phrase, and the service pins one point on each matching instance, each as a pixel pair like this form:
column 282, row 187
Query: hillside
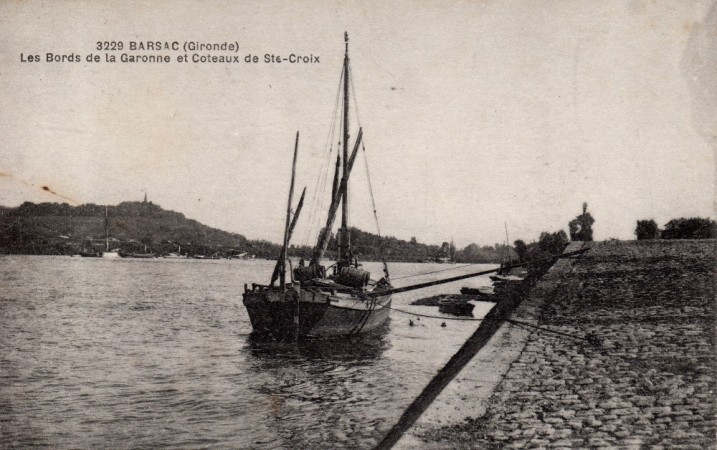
column 53, row 228
column 61, row 229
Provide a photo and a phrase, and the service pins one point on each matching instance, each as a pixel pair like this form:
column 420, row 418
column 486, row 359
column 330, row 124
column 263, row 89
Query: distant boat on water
column 242, row 255
column 446, row 255
column 175, row 255
column 144, row 255
column 107, row 254
column 509, row 275
column 137, row 255
column 444, row 260
column 506, row 278
column 89, row 254
column 86, row 254
column 214, row 256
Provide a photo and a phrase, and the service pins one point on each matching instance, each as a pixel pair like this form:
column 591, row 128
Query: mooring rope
column 433, row 317
column 436, row 271
column 590, row 338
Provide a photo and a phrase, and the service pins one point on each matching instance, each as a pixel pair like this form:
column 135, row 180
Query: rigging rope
column 315, row 217
column 328, row 161
column 370, row 190
column 365, row 157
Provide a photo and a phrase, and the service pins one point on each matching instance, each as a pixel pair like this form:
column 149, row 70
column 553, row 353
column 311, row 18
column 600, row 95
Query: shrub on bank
column 692, row 228
column 647, row 229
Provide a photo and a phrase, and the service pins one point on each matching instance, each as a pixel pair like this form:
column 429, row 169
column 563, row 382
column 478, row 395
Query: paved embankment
column 633, row 367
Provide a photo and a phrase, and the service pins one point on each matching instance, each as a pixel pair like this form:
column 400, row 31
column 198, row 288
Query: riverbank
column 623, row 356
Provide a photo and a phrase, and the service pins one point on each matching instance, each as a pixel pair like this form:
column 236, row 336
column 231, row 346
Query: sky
column 476, row 115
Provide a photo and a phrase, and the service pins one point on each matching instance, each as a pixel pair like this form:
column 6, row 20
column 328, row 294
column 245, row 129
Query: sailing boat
column 505, row 273
column 313, row 304
column 107, row 253
column 91, row 254
column 347, row 302
column 177, row 254
column 144, row 255
column 446, row 255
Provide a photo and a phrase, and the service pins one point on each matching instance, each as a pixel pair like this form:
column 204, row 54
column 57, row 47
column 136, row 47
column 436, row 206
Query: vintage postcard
column 411, row 224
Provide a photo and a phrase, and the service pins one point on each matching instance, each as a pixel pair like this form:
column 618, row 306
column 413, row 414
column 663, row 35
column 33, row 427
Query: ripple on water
column 97, row 354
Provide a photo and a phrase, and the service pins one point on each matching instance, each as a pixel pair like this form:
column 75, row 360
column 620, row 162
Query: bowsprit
column 302, row 59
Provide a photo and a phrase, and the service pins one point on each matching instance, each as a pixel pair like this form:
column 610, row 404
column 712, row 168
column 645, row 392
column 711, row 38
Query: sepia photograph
column 358, row 224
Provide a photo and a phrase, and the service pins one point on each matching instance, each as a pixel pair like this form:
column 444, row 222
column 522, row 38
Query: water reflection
column 358, row 348
column 125, row 354
column 337, row 380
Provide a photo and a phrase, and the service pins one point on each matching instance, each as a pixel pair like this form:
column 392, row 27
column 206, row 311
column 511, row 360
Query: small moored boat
column 457, row 307
column 479, row 291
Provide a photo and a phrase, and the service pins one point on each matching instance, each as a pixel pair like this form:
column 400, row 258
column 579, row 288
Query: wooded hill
column 54, row 228
column 61, row 229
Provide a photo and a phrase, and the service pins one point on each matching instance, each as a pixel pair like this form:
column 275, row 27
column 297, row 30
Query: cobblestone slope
column 637, row 369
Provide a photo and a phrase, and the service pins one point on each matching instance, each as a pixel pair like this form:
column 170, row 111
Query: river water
column 157, row 353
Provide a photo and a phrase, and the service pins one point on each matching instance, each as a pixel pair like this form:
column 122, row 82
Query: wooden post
column 335, row 185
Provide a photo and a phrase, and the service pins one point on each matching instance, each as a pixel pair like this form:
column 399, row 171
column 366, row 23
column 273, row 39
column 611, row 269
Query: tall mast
column 107, row 234
column 344, row 237
column 325, row 233
column 339, row 193
column 507, row 243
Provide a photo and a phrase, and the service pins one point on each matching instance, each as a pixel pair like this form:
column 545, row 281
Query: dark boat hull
column 138, row 255
column 505, row 279
column 456, row 308
column 313, row 313
column 479, row 292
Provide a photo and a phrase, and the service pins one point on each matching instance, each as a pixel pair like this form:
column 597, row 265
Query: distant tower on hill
column 145, row 197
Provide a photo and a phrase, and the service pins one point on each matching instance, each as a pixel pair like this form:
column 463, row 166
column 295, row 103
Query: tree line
column 59, row 228
column 682, row 228
column 373, row 247
column 63, row 229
